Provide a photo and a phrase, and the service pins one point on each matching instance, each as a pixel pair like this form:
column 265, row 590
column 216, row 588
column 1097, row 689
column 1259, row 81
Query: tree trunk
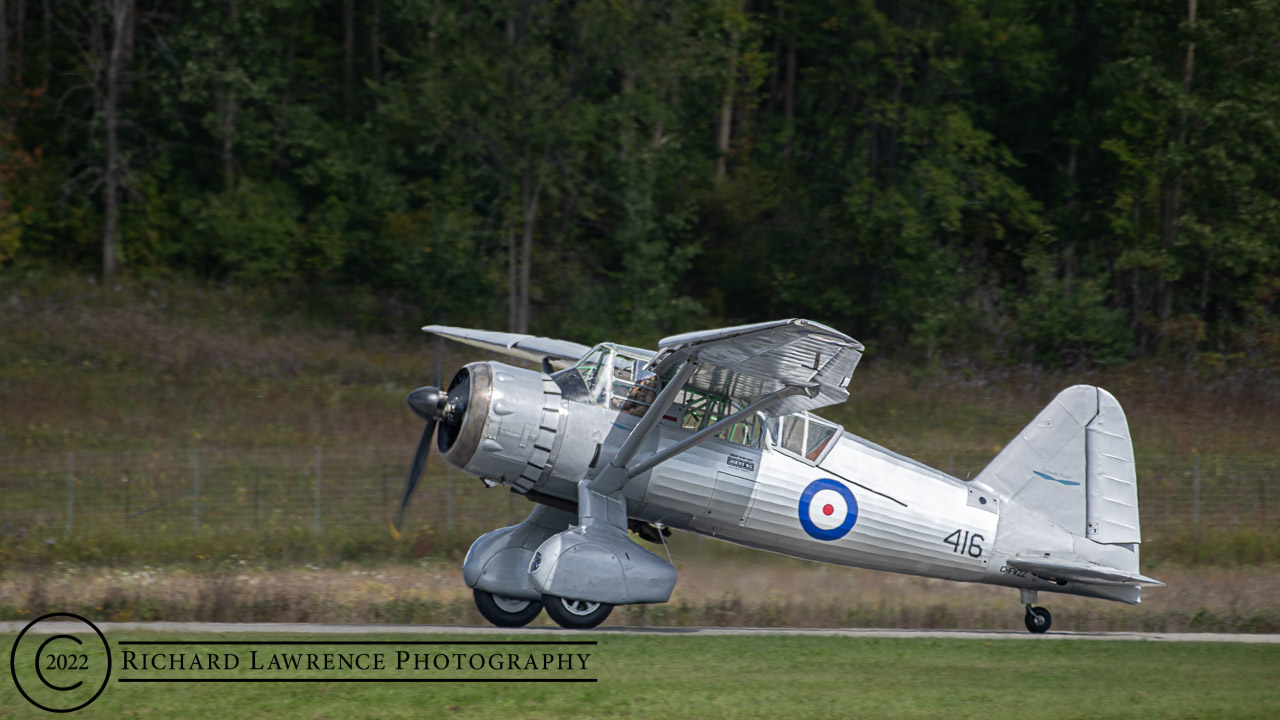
column 512, row 294
column 1173, row 198
column 375, row 50
column 568, row 208
column 4, row 47
column 290, row 51
column 725, row 129
column 789, row 99
column 1183, row 175
column 775, row 71
column 1187, row 68
column 1069, row 251
column 4, row 88
column 227, row 107
column 349, row 51
column 435, row 26
column 21, row 36
column 891, row 146
column 227, row 104
column 529, row 202
column 121, row 38
column 1135, row 326
column 625, row 127
column 46, row 21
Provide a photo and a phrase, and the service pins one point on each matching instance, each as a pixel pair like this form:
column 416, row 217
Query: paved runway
column 191, row 628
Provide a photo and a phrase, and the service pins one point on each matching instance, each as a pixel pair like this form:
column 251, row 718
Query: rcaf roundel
column 828, row 509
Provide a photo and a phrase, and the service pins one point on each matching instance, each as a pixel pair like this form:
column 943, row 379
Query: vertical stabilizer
column 1073, row 465
column 1044, row 468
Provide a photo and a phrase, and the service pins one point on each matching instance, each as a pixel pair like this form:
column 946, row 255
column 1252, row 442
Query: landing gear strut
column 1038, row 619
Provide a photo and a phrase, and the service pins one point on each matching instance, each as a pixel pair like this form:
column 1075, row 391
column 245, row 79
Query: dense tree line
column 1018, row 181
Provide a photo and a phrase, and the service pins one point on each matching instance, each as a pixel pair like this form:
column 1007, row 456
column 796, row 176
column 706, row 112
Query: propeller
column 430, row 404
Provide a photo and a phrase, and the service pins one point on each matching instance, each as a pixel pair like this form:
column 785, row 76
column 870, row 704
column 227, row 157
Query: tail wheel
column 1038, row 619
column 576, row 614
column 506, row 611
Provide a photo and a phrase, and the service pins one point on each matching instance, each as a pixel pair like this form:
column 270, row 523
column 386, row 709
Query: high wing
column 1051, row 568
column 750, row 361
column 562, row 353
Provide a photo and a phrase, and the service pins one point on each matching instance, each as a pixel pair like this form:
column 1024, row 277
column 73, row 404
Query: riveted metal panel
column 730, row 500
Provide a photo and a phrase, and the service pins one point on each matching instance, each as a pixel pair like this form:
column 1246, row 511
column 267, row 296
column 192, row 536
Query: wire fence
column 205, row 491
column 1177, row 492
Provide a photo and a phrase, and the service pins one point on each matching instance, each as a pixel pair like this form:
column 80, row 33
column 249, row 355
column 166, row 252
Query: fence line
column 214, row 490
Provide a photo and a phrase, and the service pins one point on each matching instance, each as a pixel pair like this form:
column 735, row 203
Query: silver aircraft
column 714, row 434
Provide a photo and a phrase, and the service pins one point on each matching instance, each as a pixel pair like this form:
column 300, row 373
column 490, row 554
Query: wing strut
column 614, row 475
column 675, row 449
column 596, row 494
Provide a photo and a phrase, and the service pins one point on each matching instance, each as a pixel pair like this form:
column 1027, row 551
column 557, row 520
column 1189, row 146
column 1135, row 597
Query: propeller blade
column 419, row 462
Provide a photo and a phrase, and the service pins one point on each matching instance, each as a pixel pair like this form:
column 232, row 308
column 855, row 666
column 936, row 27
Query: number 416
column 965, row 544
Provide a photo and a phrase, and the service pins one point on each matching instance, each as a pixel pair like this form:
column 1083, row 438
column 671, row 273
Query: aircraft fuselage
column 904, row 516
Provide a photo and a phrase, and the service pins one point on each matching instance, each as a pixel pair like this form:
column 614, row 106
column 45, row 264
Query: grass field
column 720, row 587
column 737, row 677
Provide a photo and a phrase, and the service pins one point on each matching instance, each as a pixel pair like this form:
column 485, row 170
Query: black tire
column 1038, row 620
column 575, row 614
column 504, row 611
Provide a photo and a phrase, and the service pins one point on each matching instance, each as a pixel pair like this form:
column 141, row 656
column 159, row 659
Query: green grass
column 662, row 676
column 715, row 589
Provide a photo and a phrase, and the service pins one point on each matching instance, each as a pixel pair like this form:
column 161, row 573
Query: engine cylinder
column 502, row 423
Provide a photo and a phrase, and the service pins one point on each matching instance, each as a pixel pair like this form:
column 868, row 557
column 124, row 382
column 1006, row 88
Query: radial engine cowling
column 502, row 423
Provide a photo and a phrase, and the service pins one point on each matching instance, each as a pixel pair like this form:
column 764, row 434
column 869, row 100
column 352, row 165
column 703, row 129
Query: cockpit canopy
column 617, row 377
column 607, row 372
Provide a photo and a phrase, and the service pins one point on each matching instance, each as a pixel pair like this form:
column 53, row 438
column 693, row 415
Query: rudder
column 1112, row 502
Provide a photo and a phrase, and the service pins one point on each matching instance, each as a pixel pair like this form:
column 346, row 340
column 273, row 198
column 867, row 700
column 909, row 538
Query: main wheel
column 506, row 611
column 1038, row 619
column 575, row 614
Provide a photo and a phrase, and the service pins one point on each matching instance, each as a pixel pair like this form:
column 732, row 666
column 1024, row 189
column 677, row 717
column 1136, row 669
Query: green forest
column 1056, row 183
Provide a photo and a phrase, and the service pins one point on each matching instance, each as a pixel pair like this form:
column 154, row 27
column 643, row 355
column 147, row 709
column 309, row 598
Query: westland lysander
column 714, row 434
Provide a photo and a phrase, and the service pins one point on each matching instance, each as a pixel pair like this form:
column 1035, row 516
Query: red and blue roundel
column 828, row 510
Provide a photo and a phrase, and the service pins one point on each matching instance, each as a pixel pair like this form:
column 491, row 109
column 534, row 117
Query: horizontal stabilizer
column 1056, row 568
column 562, row 353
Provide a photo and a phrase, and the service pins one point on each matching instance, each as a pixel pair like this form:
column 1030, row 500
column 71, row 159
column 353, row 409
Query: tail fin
column 1074, row 466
